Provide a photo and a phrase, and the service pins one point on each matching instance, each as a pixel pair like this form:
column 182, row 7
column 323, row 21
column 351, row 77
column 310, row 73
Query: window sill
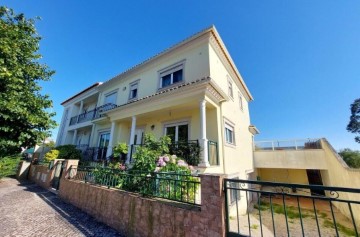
column 230, row 145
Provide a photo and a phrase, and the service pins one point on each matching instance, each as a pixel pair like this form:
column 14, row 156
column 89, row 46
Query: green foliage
column 51, row 155
column 354, row 123
column 8, row 165
column 343, row 229
column 23, row 109
column 68, row 152
column 352, row 158
column 145, row 156
column 120, row 149
column 152, row 173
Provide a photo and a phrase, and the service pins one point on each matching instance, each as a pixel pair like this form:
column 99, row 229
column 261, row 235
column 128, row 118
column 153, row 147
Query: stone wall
column 134, row 215
column 41, row 175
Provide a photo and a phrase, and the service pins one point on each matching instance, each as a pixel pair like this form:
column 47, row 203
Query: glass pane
column 177, row 76
column 104, row 140
column 133, row 93
column 183, row 133
column 110, row 98
column 166, row 80
column 170, row 131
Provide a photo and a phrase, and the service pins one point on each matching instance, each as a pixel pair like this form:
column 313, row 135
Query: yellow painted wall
column 294, row 176
column 238, row 158
column 291, row 159
column 196, row 67
column 339, row 175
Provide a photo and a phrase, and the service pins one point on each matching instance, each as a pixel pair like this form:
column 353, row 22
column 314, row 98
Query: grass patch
column 254, row 226
column 291, row 212
column 8, row 165
column 343, row 229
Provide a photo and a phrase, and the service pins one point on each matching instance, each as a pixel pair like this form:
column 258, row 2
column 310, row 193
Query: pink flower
column 166, row 158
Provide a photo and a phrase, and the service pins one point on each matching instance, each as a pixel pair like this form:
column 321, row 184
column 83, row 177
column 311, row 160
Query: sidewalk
column 29, row 210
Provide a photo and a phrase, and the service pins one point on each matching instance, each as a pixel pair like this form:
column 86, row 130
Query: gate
column 259, row 208
column 57, row 174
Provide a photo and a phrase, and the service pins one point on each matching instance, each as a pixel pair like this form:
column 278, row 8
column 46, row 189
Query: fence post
column 213, row 203
column 67, row 167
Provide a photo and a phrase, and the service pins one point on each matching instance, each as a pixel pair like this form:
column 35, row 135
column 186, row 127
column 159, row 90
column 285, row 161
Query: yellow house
column 191, row 92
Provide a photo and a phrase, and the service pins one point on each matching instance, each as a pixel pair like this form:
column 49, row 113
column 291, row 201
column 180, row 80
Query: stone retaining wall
column 134, row 215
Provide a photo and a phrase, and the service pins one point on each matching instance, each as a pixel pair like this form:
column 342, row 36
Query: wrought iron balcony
column 92, row 114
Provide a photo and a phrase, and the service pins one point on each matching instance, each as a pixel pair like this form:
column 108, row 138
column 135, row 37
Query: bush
column 351, row 157
column 51, row 155
column 69, row 152
column 8, row 165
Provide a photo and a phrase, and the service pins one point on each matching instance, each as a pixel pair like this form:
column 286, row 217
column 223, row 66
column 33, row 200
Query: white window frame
column 170, row 70
column 110, row 94
column 102, row 133
column 176, row 125
column 228, row 126
column 132, row 84
column 241, row 102
column 230, row 87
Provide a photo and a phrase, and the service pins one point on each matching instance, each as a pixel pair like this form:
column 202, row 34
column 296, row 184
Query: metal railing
column 276, row 145
column 257, row 208
column 92, row 114
column 94, row 154
column 176, row 186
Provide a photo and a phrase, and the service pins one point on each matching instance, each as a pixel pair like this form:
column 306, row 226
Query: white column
column 111, row 139
column 132, row 136
column 80, row 110
column 203, row 140
column 74, row 137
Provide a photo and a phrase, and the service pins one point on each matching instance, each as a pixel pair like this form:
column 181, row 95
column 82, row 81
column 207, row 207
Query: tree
column 354, row 124
column 352, row 158
column 24, row 116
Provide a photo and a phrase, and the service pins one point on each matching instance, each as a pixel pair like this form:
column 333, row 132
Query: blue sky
column 300, row 59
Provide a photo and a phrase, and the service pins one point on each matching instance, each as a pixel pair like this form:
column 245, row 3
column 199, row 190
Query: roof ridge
column 160, row 53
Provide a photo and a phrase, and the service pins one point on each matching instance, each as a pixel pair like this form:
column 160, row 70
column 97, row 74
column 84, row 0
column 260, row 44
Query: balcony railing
column 276, row 145
column 92, row 114
column 93, row 154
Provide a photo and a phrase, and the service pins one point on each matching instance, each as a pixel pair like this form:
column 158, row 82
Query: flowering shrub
column 153, row 173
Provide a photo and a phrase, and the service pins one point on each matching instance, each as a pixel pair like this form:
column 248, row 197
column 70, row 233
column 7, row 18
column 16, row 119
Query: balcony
column 92, row 114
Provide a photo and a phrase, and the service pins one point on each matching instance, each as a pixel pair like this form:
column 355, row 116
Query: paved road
column 29, row 210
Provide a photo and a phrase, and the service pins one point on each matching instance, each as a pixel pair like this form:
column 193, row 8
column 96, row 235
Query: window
column 177, row 132
column 229, row 134
column 230, row 87
column 110, row 98
column 104, row 139
column 172, row 75
column 133, row 90
column 241, row 101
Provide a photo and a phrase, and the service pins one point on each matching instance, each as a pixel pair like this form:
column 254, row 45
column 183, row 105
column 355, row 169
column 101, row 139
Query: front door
column 104, row 140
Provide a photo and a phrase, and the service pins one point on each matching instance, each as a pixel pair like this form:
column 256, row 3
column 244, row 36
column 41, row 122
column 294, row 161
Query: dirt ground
column 324, row 216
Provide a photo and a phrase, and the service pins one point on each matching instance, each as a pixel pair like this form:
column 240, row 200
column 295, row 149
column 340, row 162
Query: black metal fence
column 176, row 186
column 92, row 114
column 256, row 208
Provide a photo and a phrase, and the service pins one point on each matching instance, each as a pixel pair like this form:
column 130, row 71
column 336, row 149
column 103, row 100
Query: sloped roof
column 83, row 91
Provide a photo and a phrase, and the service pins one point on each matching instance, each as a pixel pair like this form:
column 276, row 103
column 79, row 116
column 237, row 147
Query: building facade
column 190, row 92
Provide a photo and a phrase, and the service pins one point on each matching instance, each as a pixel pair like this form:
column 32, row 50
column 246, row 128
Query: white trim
column 241, row 101
column 176, row 124
column 231, row 127
column 111, row 93
column 134, row 83
column 170, row 70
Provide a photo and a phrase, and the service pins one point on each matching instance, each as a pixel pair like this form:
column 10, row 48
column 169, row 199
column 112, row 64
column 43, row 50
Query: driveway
column 29, row 210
